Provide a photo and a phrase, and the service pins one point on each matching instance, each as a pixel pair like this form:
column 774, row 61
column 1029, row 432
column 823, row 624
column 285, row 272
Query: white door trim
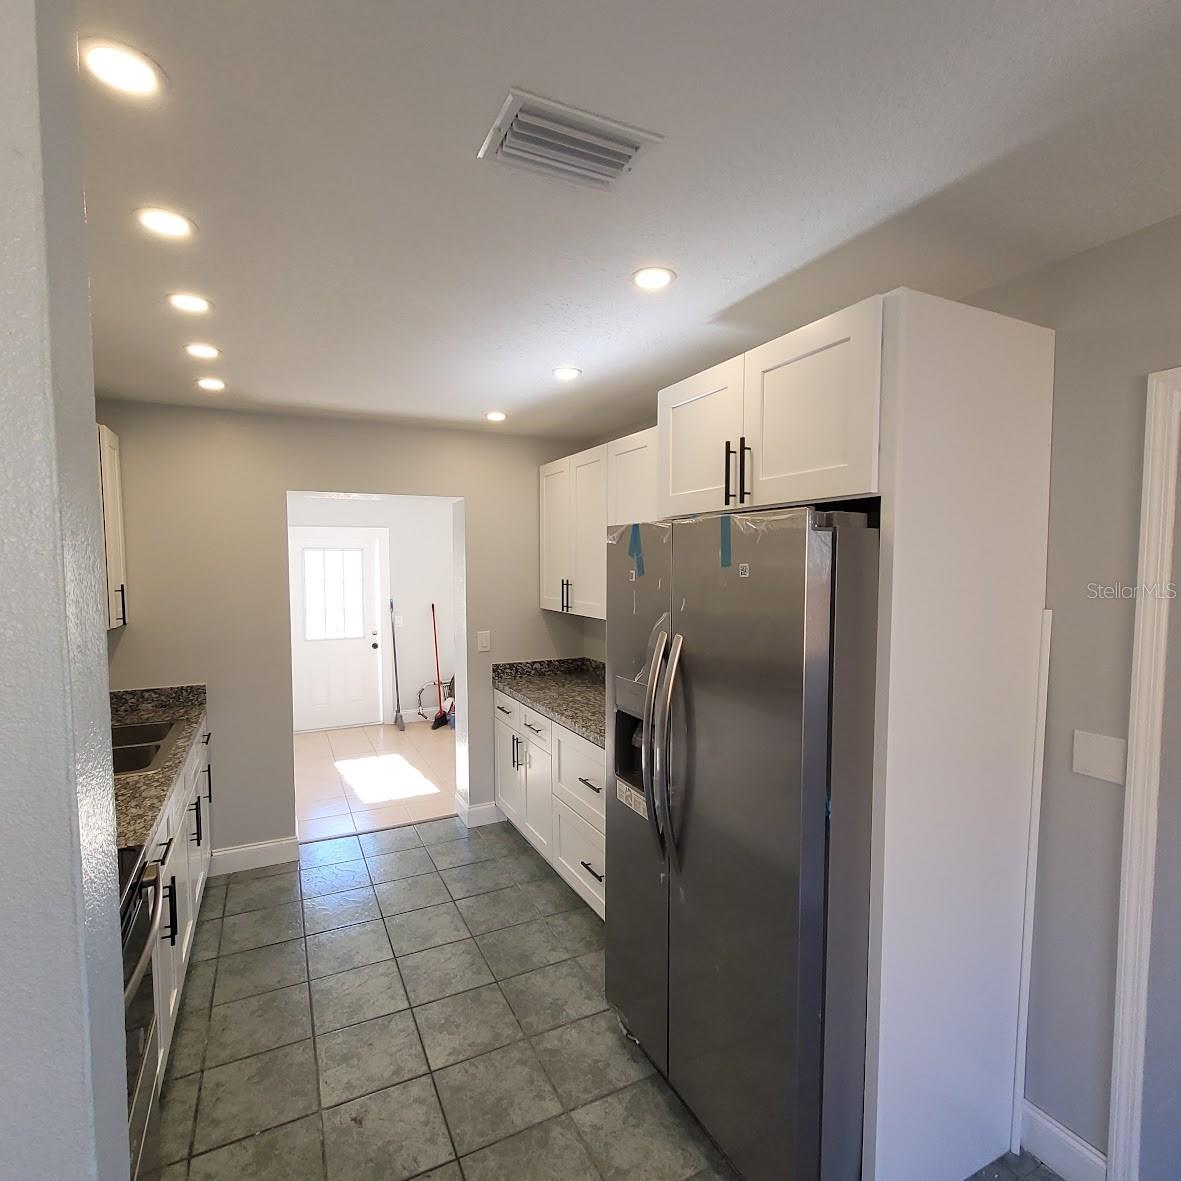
column 1017, row 1128
column 1162, row 437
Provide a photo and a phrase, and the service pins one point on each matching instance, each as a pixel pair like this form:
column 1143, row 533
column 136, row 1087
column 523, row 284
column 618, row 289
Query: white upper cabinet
column 555, row 533
column 574, row 534
column 112, row 496
column 699, row 423
column 793, row 421
column 586, row 593
column 810, row 410
column 631, row 478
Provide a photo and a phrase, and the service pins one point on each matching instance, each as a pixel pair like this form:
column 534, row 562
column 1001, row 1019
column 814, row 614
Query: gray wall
column 1161, row 1129
column 1116, row 313
column 206, row 512
column 63, row 1111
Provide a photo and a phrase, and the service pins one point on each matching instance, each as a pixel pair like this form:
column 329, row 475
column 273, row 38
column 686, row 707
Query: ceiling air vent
column 547, row 137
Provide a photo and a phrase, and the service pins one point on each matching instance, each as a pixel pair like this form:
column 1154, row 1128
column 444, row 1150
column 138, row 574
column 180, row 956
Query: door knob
column 372, row 645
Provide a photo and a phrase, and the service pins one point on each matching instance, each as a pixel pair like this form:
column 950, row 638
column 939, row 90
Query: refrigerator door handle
column 647, row 747
column 662, row 743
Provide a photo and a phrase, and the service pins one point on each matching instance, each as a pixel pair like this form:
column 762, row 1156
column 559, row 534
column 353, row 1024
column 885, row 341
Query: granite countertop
column 140, row 797
column 571, row 692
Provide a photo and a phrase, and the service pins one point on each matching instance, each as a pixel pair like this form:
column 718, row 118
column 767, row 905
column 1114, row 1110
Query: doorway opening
column 365, row 570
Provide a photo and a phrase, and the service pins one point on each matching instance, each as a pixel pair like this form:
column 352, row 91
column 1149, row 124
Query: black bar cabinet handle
column 535, row 729
column 196, row 837
column 742, row 450
column 587, row 866
column 597, row 790
column 209, row 783
column 729, row 453
column 123, row 603
column 172, row 932
column 515, row 741
column 206, row 737
column 504, row 709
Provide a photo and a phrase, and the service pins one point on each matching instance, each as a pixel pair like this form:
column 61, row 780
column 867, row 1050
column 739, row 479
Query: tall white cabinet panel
column 810, row 410
column 111, row 483
column 587, row 592
column 556, row 539
column 631, row 478
column 699, row 423
column 538, row 797
column 510, row 773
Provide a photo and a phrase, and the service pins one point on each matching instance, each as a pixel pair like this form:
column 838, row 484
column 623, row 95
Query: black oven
column 141, row 910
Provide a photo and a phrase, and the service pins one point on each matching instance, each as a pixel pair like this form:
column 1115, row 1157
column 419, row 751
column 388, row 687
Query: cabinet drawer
column 506, row 709
column 536, row 727
column 579, row 855
column 579, row 775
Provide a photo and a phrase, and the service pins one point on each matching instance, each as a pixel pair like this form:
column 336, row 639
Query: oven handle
column 149, row 881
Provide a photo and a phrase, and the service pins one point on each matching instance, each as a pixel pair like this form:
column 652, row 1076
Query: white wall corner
column 1070, row 1156
column 255, row 856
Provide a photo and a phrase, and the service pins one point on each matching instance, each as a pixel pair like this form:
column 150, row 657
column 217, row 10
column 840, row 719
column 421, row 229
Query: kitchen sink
column 141, row 746
column 137, row 734
column 135, row 758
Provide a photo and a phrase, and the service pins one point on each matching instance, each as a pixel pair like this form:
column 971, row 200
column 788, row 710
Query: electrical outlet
column 483, row 641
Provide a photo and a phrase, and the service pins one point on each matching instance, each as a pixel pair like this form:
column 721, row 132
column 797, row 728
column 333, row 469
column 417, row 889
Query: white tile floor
column 371, row 777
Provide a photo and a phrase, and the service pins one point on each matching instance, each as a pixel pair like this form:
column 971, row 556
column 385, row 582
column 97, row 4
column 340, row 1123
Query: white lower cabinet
column 510, row 774
column 580, row 855
column 550, row 784
column 182, row 847
column 539, row 794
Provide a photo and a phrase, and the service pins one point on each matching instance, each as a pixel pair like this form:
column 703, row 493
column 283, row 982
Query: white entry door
column 336, row 635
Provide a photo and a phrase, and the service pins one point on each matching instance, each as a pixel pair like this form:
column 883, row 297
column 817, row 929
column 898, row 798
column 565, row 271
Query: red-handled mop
column 441, row 716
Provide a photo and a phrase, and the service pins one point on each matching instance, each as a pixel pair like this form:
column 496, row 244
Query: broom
column 441, row 716
column 397, row 692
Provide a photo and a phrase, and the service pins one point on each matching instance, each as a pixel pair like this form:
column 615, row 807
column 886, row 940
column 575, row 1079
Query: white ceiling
column 362, row 261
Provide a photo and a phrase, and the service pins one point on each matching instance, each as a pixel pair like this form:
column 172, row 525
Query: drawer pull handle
column 533, row 728
column 587, row 866
column 504, row 709
column 594, row 787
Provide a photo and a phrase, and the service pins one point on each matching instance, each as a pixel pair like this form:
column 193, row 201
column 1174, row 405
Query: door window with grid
column 333, row 594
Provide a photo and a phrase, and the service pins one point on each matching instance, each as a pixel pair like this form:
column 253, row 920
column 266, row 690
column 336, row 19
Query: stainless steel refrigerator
column 740, row 698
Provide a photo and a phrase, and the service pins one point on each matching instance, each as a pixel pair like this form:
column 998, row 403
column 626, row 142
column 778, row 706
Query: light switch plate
column 483, row 641
column 1100, row 756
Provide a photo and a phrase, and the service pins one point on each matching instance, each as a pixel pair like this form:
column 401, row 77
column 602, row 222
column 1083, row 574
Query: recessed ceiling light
column 495, row 416
column 186, row 301
column 164, row 223
column 206, row 352
column 121, row 67
column 212, row 384
column 567, row 373
column 653, row 278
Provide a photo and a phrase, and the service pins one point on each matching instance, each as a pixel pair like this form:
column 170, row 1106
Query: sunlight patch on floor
column 383, row 779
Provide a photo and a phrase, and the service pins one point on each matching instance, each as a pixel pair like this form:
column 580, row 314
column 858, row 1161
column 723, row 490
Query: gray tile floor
column 420, row 1002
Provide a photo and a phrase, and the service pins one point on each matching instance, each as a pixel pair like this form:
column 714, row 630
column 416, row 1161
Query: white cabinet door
column 631, row 478
column 539, row 797
column 199, row 846
column 587, row 591
column 111, row 483
column 697, row 419
column 173, row 951
column 510, row 773
column 556, row 522
column 810, row 410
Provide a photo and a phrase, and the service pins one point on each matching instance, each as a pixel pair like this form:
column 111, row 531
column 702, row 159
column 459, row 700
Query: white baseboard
column 473, row 815
column 256, row 856
column 1070, row 1156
